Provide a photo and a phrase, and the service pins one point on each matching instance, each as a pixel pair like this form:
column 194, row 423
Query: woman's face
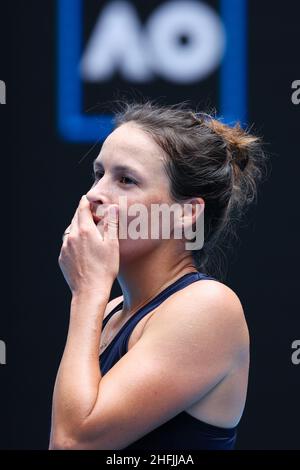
column 130, row 166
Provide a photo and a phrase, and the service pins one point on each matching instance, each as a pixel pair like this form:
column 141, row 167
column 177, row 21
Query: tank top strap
column 118, row 346
column 114, row 310
column 179, row 284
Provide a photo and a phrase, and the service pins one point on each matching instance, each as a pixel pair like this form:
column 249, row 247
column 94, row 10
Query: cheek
column 132, row 210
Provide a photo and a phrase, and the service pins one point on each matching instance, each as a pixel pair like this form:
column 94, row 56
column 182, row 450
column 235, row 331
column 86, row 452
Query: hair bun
column 239, row 156
column 239, row 142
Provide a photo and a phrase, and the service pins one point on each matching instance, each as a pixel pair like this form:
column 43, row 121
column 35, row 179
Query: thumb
column 111, row 223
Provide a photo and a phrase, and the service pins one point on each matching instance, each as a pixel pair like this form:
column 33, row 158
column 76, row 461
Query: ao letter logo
column 182, row 42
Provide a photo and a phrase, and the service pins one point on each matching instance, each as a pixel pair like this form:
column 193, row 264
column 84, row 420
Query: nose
column 96, row 196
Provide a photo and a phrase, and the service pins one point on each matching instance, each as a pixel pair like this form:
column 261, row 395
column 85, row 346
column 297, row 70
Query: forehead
column 132, row 144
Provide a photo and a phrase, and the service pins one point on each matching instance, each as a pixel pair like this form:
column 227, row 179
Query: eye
column 97, row 175
column 128, row 180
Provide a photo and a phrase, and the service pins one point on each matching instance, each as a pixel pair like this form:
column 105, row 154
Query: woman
column 174, row 353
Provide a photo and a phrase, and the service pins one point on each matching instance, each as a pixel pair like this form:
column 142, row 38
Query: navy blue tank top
column 183, row 431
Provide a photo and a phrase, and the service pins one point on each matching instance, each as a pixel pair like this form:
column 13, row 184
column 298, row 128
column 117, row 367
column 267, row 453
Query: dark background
column 41, row 183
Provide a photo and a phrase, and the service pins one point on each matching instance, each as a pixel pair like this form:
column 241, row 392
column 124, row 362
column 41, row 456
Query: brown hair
column 208, row 159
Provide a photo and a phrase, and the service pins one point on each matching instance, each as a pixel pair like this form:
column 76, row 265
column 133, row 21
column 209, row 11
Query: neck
column 146, row 276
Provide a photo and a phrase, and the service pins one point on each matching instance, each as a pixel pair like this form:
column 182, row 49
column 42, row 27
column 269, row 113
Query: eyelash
column 98, row 174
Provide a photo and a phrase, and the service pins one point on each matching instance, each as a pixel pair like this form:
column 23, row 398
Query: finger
column 66, row 233
column 85, row 217
column 73, row 227
column 74, row 221
column 74, row 224
column 111, row 223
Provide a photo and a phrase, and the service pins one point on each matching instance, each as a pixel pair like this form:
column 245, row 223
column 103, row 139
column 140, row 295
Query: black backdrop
column 42, row 182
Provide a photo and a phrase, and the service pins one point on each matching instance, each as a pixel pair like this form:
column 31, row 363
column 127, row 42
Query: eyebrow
column 118, row 168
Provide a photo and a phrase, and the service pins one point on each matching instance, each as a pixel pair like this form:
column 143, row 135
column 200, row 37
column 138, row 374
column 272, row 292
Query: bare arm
column 89, row 261
column 78, row 378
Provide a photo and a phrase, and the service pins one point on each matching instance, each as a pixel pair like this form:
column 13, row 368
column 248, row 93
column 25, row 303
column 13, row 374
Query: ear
column 192, row 209
column 190, row 224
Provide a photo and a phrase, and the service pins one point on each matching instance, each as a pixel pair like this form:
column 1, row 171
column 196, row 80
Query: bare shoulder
column 206, row 308
column 112, row 304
